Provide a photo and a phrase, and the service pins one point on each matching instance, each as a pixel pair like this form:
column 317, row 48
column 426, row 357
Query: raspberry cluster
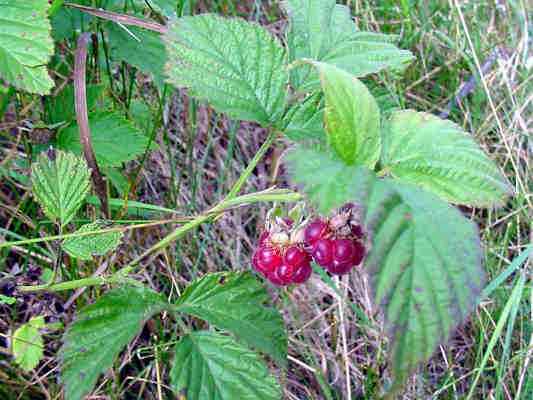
column 337, row 244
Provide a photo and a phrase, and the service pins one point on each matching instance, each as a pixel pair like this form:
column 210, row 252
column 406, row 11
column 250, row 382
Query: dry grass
column 472, row 64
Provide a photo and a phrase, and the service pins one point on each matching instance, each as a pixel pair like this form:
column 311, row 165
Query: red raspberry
column 275, row 279
column 323, row 252
column 359, row 253
column 284, row 274
column 357, row 231
column 296, row 256
column 266, row 260
column 302, row 274
column 300, row 260
column 316, row 230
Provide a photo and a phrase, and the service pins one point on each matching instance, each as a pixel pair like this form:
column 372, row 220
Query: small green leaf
column 438, row 155
column 235, row 302
column 209, row 365
column 328, row 182
column 139, row 47
column 351, row 117
column 236, row 65
column 26, row 45
column 60, row 183
column 7, row 300
column 100, row 332
column 425, row 269
column 85, row 247
column 305, row 120
column 28, row 344
column 322, row 30
column 115, row 139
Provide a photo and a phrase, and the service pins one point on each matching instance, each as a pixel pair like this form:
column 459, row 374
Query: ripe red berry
column 302, row 274
column 359, row 253
column 266, row 259
column 323, row 252
column 357, row 231
column 316, row 230
column 296, row 256
column 284, row 273
column 274, row 278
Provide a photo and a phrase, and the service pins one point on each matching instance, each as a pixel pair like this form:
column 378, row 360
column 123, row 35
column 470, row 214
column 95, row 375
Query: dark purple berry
column 284, row 273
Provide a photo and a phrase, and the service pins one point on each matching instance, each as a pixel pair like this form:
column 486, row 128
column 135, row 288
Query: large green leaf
column 100, row 332
column 236, row 65
column 60, row 182
column 209, row 365
column 139, row 47
column 114, row 139
column 85, row 247
column 328, row 182
column 425, row 266
column 235, row 302
column 322, row 30
column 438, row 155
column 351, row 117
column 27, row 345
column 304, row 121
column 25, row 45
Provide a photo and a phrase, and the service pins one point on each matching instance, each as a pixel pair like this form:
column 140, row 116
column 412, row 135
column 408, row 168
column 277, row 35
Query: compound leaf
column 351, row 117
column 235, row 302
column 438, row 155
column 26, row 45
column 209, row 365
column 100, row 332
column 236, row 65
column 28, row 344
column 328, row 182
column 115, row 139
column 322, row 30
column 425, row 266
column 139, row 47
column 85, row 247
column 60, row 183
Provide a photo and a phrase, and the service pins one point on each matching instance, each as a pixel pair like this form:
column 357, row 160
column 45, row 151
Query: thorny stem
column 83, row 120
column 121, row 275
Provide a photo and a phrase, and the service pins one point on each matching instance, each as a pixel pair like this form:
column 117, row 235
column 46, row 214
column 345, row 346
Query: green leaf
column 235, row 302
column 425, row 269
column 67, row 22
column 100, row 332
column 305, row 120
column 236, row 65
column 85, row 247
column 60, row 183
column 26, row 45
column 28, row 344
column 351, row 117
column 321, row 30
column 115, row 139
column 165, row 7
column 60, row 108
column 328, row 182
column 7, row 300
column 139, row 47
column 209, row 365
column 438, row 155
